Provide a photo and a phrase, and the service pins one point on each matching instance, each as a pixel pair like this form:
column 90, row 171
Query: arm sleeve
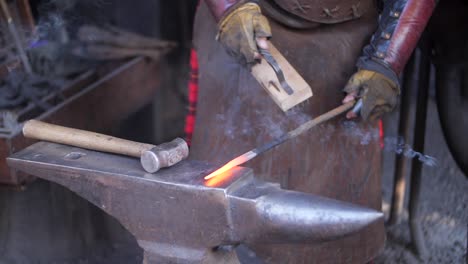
column 400, row 27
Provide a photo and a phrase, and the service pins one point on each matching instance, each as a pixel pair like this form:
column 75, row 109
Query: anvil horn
column 287, row 216
column 177, row 216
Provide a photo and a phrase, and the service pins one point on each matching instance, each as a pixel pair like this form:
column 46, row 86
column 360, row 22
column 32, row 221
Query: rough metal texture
column 176, row 216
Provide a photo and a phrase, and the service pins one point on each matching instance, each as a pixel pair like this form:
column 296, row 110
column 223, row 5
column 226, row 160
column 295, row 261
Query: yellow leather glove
column 379, row 94
column 239, row 31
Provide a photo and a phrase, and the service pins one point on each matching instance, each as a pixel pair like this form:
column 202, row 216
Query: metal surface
column 408, row 96
column 419, row 135
column 357, row 107
column 415, row 91
column 164, row 155
column 106, row 99
column 177, row 217
column 279, row 73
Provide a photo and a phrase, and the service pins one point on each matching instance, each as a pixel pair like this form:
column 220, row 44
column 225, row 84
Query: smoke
column 59, row 20
column 398, row 146
column 297, row 115
column 51, row 24
column 365, row 136
column 274, row 128
column 9, row 122
column 51, row 27
column 391, row 144
column 236, row 124
column 231, row 126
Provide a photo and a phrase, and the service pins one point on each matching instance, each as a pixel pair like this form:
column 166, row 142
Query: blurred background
column 122, row 67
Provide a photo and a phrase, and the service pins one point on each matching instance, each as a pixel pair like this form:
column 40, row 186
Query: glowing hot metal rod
column 291, row 134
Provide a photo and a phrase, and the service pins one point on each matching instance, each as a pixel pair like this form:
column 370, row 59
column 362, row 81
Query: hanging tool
column 291, row 134
column 111, row 43
column 16, row 38
column 282, row 82
column 152, row 157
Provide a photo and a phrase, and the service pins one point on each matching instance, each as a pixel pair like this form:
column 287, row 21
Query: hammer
column 152, row 157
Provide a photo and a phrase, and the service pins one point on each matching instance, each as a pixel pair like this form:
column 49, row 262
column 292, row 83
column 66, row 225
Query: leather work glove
column 379, row 94
column 241, row 30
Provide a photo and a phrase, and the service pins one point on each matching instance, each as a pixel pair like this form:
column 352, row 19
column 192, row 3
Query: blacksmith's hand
column 379, row 94
column 242, row 31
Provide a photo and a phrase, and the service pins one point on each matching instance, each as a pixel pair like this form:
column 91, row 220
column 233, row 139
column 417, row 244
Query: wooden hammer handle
column 83, row 139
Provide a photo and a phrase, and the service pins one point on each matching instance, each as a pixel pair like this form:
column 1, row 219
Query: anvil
column 178, row 217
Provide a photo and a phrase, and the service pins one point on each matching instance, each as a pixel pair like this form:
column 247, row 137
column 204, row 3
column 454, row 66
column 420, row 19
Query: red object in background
column 192, row 97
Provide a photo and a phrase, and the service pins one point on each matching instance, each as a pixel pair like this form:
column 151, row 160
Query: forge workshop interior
column 232, row 131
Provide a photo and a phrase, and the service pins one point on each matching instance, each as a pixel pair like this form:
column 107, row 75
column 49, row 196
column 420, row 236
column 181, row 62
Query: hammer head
column 164, row 155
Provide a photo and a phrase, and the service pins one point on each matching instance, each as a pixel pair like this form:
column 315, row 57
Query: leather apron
column 340, row 159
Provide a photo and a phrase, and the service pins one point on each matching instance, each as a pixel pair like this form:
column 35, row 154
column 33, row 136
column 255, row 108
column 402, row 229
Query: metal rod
column 401, row 163
column 291, row 134
column 16, row 38
column 419, row 139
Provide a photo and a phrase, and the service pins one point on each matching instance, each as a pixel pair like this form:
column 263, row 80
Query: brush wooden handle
column 83, row 139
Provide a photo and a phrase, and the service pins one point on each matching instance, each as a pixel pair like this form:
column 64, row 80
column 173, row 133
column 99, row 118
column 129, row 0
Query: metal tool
column 152, row 157
column 177, row 217
column 357, row 107
column 16, row 38
column 279, row 73
column 280, row 80
column 111, row 43
column 291, row 134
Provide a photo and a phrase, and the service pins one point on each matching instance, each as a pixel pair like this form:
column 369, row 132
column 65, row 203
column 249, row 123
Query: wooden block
column 266, row 76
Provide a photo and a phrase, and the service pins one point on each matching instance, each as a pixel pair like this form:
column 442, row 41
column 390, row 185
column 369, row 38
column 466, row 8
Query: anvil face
column 72, row 158
column 176, row 215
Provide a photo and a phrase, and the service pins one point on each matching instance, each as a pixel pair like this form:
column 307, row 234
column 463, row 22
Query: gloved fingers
column 244, row 30
column 374, row 106
column 358, row 79
column 353, row 85
column 262, row 31
column 352, row 89
column 249, row 49
column 379, row 94
column 377, row 112
column 366, row 110
column 261, row 26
